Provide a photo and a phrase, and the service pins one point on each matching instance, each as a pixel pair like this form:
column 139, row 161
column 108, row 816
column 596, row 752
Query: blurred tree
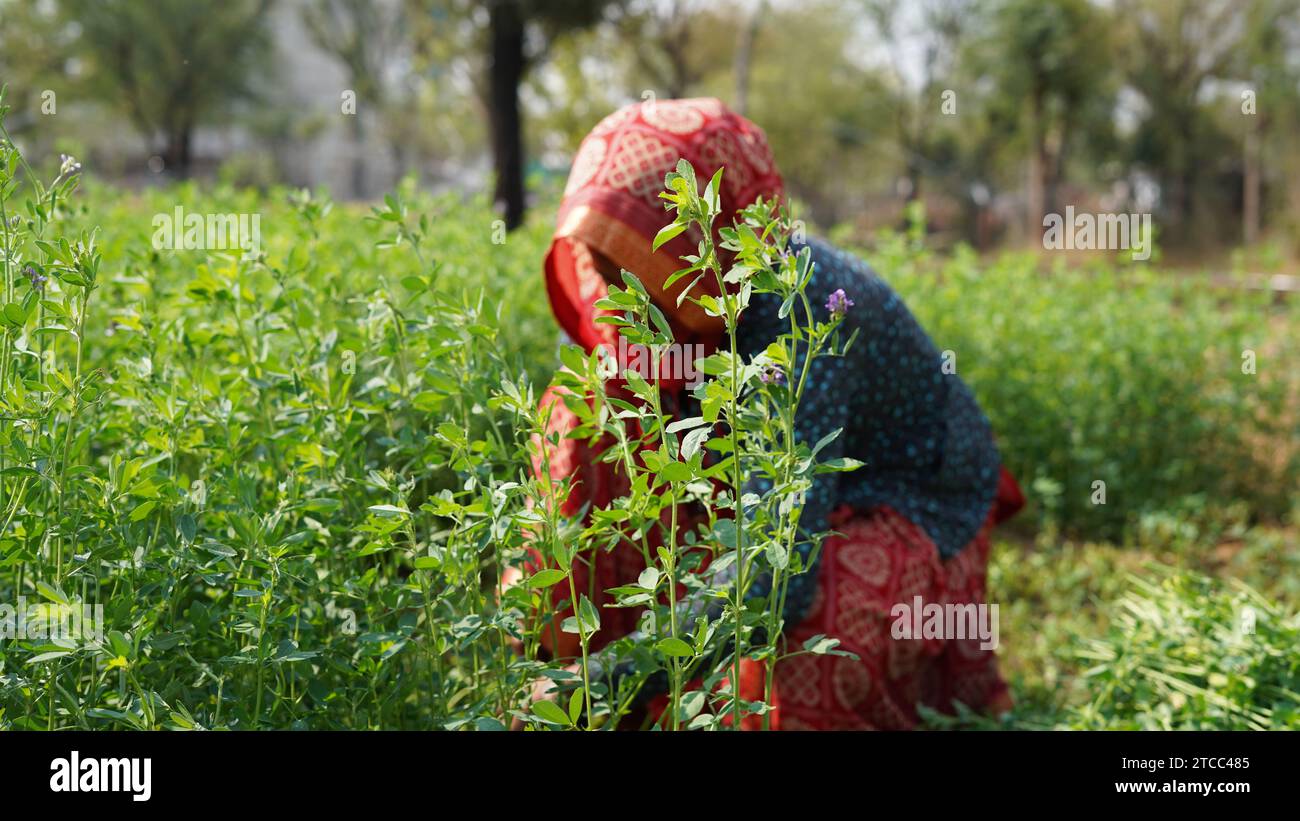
column 171, row 64
column 364, row 36
column 1049, row 63
column 447, row 87
column 588, row 74
column 510, row 37
column 922, row 41
column 34, row 52
column 663, row 36
column 1172, row 50
column 593, row 71
column 1270, row 108
column 825, row 111
column 745, row 55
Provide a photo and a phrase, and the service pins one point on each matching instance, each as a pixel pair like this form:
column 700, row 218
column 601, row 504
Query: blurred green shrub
column 1118, row 374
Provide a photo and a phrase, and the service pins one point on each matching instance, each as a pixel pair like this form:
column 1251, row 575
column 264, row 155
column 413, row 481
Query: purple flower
column 38, row 280
column 772, row 375
column 838, row 303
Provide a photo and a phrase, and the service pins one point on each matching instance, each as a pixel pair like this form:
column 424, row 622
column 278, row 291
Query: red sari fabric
column 611, row 206
column 879, row 560
column 883, row 559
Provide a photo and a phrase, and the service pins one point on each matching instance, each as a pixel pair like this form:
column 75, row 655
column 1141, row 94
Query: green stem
column 582, row 640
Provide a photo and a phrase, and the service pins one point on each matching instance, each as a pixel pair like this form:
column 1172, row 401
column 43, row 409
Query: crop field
column 294, row 483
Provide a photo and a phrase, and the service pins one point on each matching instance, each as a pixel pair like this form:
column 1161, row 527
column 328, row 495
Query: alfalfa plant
column 44, row 393
column 739, row 462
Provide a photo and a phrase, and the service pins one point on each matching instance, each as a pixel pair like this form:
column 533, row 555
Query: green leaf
column 675, row 472
column 550, row 711
column 683, row 424
column 675, row 647
column 825, row 646
column 691, row 444
column 690, row 705
column 546, row 578
column 142, row 510
column 14, row 314
column 777, row 555
column 660, row 321
column 638, row 384
column 715, row 189
column 826, row 440
column 56, row 654
column 686, row 292
column 649, row 578
column 590, row 616
column 572, row 357
column 52, row 593
column 681, row 274
column 635, row 284
column 838, row 465
column 787, row 305
column 667, row 233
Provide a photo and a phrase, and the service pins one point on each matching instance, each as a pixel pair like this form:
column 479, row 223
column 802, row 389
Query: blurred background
column 990, row 113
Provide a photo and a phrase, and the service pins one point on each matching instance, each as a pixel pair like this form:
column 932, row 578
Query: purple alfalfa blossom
column 838, row 303
column 772, row 375
column 37, row 279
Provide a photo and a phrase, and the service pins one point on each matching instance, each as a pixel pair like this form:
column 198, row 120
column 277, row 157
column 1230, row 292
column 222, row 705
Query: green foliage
column 251, row 463
column 738, row 462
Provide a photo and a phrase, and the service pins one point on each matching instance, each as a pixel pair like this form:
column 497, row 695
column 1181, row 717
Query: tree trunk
column 1036, row 185
column 177, row 156
column 358, row 156
column 678, row 71
column 1250, row 194
column 914, row 173
column 1054, row 164
column 1186, row 171
column 506, row 44
column 744, row 57
column 1187, row 202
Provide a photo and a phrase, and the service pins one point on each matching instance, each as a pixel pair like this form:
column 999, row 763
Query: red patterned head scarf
column 611, row 206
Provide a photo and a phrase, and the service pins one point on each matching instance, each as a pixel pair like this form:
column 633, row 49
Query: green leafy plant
column 738, row 461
